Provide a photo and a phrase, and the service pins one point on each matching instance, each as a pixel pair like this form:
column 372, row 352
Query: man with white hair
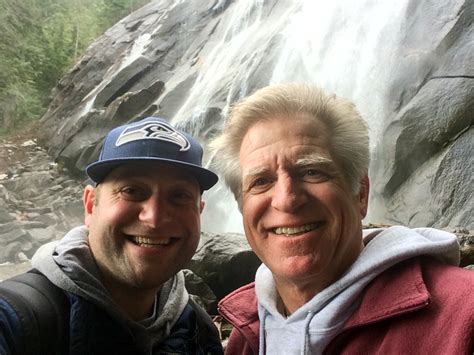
column 296, row 160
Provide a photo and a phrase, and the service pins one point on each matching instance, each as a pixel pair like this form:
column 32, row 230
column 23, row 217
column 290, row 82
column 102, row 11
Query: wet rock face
column 125, row 79
column 424, row 172
column 151, row 62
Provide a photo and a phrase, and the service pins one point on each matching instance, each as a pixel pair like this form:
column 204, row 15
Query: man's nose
column 288, row 194
column 154, row 212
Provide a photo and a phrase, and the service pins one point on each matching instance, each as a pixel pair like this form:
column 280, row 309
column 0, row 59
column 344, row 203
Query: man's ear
column 88, row 200
column 364, row 196
column 201, row 207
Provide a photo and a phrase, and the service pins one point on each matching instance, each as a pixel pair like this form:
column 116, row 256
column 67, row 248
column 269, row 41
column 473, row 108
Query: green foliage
column 40, row 40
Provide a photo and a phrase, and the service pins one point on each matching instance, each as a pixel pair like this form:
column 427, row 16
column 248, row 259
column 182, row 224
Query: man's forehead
column 152, row 170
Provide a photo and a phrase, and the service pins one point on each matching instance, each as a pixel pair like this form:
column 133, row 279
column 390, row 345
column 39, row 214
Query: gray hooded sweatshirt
column 69, row 265
column 314, row 325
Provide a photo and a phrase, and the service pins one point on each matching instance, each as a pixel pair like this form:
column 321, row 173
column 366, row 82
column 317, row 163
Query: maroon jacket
column 420, row 306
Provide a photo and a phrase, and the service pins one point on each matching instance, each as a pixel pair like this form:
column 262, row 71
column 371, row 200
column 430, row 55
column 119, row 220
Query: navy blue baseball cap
column 151, row 139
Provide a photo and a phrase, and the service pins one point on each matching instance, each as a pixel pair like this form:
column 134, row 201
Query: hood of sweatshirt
column 311, row 327
column 69, row 264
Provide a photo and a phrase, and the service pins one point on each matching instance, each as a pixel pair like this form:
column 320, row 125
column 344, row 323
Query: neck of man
column 293, row 297
column 296, row 293
column 137, row 303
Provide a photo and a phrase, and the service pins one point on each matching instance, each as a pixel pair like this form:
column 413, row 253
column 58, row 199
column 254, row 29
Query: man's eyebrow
column 312, row 159
column 315, row 160
column 258, row 170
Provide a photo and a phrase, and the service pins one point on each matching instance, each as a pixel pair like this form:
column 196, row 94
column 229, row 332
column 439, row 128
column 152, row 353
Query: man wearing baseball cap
column 121, row 270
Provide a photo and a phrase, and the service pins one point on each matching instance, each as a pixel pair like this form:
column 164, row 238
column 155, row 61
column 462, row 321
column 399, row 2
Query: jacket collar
column 396, row 291
column 241, row 310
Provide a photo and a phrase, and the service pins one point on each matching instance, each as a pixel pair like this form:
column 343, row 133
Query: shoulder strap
column 207, row 331
column 43, row 310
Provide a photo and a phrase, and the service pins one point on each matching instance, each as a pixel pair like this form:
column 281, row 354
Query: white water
column 346, row 47
column 224, row 62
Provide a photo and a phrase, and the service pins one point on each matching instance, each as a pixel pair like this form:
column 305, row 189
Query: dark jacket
column 92, row 331
column 416, row 307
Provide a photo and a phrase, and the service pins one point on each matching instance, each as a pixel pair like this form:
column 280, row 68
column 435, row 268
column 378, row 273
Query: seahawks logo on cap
column 153, row 130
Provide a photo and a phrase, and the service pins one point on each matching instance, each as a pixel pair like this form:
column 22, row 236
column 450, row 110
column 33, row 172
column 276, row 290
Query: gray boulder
column 225, row 262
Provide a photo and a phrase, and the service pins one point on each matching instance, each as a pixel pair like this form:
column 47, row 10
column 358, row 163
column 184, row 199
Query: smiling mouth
column 151, row 243
column 297, row 230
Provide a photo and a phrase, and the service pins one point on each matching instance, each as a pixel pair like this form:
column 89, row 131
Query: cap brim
column 99, row 170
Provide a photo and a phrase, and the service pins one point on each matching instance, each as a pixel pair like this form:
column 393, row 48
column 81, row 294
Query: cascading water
column 348, row 48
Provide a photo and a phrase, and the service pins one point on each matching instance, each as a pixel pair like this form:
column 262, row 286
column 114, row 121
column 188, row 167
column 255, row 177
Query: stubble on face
column 115, row 221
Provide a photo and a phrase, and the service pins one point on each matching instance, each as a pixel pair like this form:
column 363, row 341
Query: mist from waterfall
column 348, row 48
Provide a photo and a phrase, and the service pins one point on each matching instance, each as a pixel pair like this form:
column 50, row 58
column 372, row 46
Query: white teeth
column 150, row 243
column 295, row 230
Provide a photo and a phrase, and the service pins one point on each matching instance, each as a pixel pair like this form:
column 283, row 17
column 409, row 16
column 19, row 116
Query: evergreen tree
column 40, row 40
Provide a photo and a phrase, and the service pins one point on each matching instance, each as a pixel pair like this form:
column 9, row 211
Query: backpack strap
column 43, row 310
column 208, row 335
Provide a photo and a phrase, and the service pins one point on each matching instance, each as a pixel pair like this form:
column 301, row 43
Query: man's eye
column 314, row 175
column 131, row 193
column 312, row 172
column 260, row 182
column 258, row 185
column 183, row 196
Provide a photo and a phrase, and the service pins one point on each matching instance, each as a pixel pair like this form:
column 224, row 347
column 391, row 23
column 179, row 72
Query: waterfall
column 345, row 47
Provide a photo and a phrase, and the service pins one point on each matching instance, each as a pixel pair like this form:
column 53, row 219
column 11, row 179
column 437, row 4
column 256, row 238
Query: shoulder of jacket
column 453, row 283
column 43, row 310
column 247, row 291
column 240, row 306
